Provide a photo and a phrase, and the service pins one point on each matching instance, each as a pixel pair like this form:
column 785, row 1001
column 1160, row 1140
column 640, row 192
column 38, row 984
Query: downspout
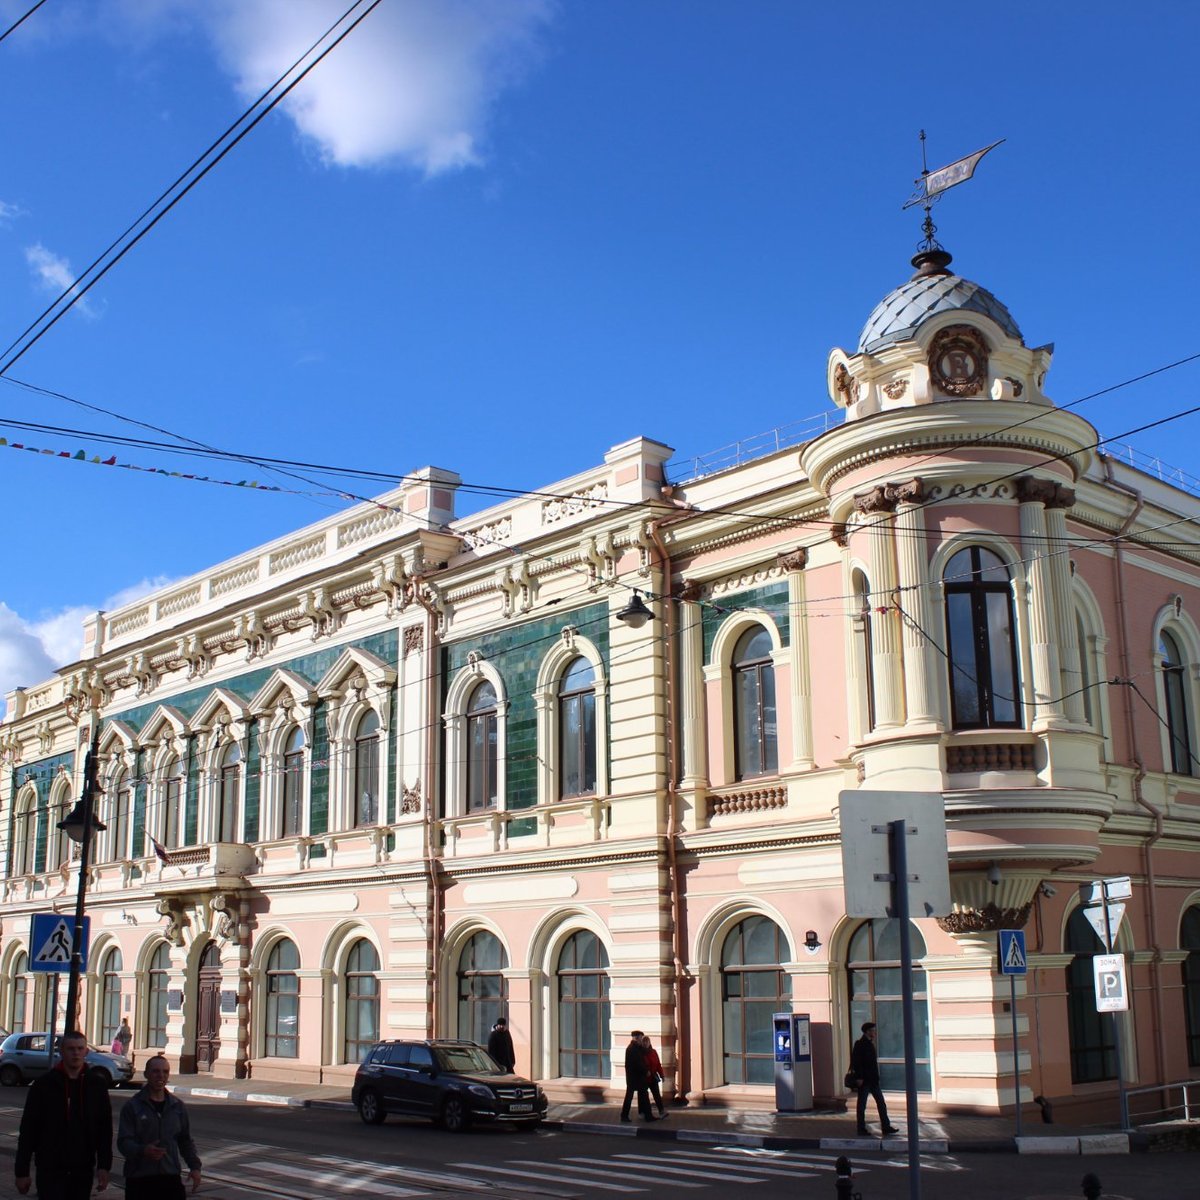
column 1135, row 753
column 433, row 875
column 680, row 979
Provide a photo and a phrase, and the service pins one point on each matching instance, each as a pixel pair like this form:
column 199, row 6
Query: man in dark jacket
column 636, row 1078
column 864, row 1062
column 155, row 1137
column 66, row 1129
column 500, row 1045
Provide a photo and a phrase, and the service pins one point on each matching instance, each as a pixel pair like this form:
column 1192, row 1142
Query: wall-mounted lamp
column 635, row 614
column 812, row 943
column 993, row 874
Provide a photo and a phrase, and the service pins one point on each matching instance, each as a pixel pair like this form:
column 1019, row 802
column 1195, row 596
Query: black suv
column 454, row 1083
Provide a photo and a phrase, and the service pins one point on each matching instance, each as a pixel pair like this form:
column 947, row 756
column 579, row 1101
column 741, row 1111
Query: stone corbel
column 600, row 558
column 253, row 632
column 318, row 608
column 794, row 560
column 1031, row 490
column 639, row 536
column 176, row 919
column 225, row 917
column 878, row 500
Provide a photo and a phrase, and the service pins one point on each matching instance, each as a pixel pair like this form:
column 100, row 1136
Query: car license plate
column 520, row 1108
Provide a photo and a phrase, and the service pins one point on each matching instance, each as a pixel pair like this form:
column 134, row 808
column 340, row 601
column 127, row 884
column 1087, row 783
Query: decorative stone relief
column 877, row 500
column 986, row 919
column 841, row 384
column 410, row 799
column 895, row 389
column 498, row 533
column 172, row 909
column 414, row 640
column 562, row 507
column 958, row 361
column 1017, row 386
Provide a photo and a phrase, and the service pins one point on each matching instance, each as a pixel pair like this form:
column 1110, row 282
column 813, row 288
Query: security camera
column 1047, row 890
column 993, row 875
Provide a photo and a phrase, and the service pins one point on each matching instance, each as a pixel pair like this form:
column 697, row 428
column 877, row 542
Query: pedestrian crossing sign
column 1012, row 952
column 50, row 942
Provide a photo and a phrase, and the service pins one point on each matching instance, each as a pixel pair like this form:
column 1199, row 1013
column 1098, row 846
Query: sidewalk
column 773, row 1131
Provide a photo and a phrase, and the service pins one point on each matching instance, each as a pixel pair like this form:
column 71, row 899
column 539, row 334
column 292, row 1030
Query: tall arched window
column 57, row 842
column 982, row 645
column 866, row 647
column 1093, row 1045
column 229, row 800
column 756, row 745
column 292, row 797
column 25, row 830
column 577, row 730
column 21, row 981
column 366, row 771
column 874, row 988
column 173, row 793
column 1189, row 940
column 157, row 979
column 482, row 748
column 122, row 805
column 1086, row 671
column 753, row 988
column 1178, row 716
column 110, row 996
column 482, row 994
column 362, row 1001
column 283, row 1001
column 583, row 1008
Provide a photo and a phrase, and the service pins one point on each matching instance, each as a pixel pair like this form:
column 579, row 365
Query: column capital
column 1031, row 490
column 878, row 499
column 911, row 491
column 794, row 560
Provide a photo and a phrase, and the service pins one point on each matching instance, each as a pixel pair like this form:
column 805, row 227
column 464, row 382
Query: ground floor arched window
column 110, row 997
column 283, row 1001
column 1190, row 941
column 584, row 1040
column 22, row 981
column 753, row 988
column 1091, row 1034
column 481, row 988
column 362, row 1001
column 157, row 977
column 874, row 987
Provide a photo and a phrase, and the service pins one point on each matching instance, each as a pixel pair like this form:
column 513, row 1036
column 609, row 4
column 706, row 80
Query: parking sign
column 1111, row 992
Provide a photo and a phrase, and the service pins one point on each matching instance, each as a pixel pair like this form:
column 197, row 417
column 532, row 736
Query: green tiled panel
column 141, row 793
column 391, row 753
column 318, row 791
column 42, row 775
column 192, row 826
column 253, row 781
column 516, row 652
column 772, row 600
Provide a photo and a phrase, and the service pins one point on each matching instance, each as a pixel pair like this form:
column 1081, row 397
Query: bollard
column 1091, row 1187
column 844, row 1181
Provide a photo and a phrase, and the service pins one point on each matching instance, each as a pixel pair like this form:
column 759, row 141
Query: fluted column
column 1060, row 576
column 877, row 505
column 1047, row 677
column 801, row 695
column 694, row 765
column 913, row 563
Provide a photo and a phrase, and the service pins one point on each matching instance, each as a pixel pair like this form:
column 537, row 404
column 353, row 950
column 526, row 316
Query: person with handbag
column 654, row 1074
column 864, row 1067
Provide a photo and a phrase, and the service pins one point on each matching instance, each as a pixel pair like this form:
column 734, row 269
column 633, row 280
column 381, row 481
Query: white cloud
column 9, row 212
column 54, row 275
column 32, row 650
column 412, row 85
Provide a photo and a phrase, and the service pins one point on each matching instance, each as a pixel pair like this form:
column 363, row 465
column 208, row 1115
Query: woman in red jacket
column 654, row 1073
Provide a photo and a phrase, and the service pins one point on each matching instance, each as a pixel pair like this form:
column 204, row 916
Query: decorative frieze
column 561, row 507
column 414, row 640
column 230, row 581
column 987, row 919
column 794, row 560
column 497, row 533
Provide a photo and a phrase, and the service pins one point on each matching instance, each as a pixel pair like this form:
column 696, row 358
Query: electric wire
column 22, row 19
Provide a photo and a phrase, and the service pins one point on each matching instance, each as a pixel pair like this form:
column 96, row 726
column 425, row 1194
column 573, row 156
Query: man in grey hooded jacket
column 155, row 1137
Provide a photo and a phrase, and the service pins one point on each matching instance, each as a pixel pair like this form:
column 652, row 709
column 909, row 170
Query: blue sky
column 501, row 236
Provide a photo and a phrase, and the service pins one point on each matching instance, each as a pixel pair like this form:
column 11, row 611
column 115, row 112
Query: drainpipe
column 680, row 979
column 1135, row 752
column 433, row 874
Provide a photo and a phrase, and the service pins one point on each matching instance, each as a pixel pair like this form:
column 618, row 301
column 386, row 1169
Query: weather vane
column 932, row 184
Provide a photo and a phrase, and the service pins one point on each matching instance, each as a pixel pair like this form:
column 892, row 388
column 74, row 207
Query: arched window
column 482, row 748
column 110, row 996
column 57, row 842
column 362, row 1001
column 874, row 988
column 229, row 814
column 118, row 832
column 756, row 746
column 577, row 730
column 283, row 1001
column 173, row 793
column 157, row 978
column 482, row 994
column 583, row 1008
column 1093, row 1044
column 866, row 647
column 1175, row 685
column 753, row 988
column 1189, row 940
column 26, row 830
column 366, row 771
column 292, row 799
column 982, row 645
column 1086, row 671
column 21, row 980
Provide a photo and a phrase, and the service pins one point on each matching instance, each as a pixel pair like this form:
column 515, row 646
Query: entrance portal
column 208, row 1009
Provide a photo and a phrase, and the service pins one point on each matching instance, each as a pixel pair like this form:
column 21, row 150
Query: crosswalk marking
column 649, row 1162
column 608, row 1187
column 802, row 1169
column 606, row 1172
column 339, row 1178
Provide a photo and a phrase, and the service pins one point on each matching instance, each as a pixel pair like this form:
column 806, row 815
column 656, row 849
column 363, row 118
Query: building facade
column 408, row 770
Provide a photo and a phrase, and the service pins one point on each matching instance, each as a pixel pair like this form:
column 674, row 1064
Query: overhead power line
column 22, row 19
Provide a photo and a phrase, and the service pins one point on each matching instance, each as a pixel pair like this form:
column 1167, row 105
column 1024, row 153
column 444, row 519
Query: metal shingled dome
column 901, row 312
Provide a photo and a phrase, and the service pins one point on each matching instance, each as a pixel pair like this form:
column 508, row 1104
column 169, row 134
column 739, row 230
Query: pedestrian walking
column 155, row 1137
column 66, row 1129
column 864, row 1062
column 500, row 1045
column 123, row 1037
column 636, row 1079
column 654, row 1074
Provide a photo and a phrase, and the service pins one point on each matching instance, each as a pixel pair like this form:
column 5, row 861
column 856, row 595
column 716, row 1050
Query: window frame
column 365, row 764
column 558, row 659
column 747, row 1002
column 109, row 988
column 228, row 813
column 352, row 1000
column 293, row 779
column 742, row 667
column 1176, row 701
column 598, row 1057
column 483, row 770
column 157, row 1000
column 476, row 1011
column 575, row 707
column 281, row 990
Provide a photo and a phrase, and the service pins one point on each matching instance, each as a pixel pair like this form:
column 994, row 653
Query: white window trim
column 457, row 698
column 1183, row 630
column 545, row 699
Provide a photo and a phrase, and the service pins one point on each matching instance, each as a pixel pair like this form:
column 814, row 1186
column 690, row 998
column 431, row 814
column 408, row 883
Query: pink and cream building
column 412, row 769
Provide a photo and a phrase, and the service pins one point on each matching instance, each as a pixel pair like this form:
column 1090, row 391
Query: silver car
column 23, row 1057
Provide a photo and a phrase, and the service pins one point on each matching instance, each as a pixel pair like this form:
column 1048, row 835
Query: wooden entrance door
column 208, row 1009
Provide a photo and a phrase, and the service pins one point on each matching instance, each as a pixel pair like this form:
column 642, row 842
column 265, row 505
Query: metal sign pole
column 900, row 893
column 53, row 1022
column 1122, row 1099
column 1012, row 1005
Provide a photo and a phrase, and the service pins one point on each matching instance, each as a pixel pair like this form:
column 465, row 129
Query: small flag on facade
column 160, row 851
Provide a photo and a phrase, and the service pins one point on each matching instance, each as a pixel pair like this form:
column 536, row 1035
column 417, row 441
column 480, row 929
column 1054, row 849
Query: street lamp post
column 81, row 826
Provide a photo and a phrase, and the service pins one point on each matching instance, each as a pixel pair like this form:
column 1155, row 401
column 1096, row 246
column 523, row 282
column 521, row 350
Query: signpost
column 1011, row 956
column 895, row 862
column 50, row 952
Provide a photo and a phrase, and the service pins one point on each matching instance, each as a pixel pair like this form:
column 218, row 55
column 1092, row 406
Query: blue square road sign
column 50, row 942
column 1012, row 952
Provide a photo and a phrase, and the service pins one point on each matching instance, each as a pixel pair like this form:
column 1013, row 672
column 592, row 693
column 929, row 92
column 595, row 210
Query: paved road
column 256, row 1152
